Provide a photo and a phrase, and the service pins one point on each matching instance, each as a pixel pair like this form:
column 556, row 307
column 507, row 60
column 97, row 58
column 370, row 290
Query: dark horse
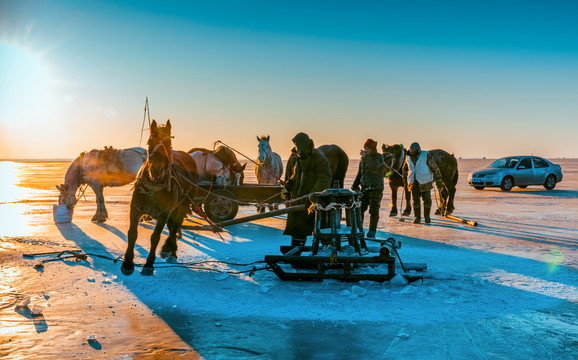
column 164, row 189
column 394, row 157
column 338, row 160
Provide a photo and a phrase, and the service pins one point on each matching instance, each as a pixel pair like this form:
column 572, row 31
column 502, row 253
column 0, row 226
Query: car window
column 540, row 163
column 526, row 163
column 505, row 163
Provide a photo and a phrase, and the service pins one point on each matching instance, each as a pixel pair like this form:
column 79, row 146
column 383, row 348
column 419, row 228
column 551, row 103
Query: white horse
column 269, row 166
column 97, row 169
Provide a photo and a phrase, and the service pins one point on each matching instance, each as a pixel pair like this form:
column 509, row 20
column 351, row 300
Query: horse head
column 66, row 197
column 393, row 156
column 264, row 148
column 159, row 151
column 238, row 172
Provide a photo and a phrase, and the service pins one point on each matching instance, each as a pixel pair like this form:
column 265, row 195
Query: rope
column 80, row 256
column 251, row 160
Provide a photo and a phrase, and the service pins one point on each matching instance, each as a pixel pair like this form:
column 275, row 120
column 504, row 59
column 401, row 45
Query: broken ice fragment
column 25, row 302
column 107, row 280
column 358, row 290
column 37, row 310
column 398, row 280
column 91, row 338
column 90, row 279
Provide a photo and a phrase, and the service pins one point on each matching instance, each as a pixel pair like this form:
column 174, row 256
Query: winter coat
column 421, row 169
column 305, row 176
column 370, row 173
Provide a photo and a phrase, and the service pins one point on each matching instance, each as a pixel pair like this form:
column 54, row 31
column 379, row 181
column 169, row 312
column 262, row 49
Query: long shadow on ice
column 266, row 318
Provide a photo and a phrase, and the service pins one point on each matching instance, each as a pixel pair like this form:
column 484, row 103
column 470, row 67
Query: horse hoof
column 147, row 271
column 171, row 259
column 406, row 213
column 167, row 254
column 438, row 212
column 393, row 213
column 126, row 271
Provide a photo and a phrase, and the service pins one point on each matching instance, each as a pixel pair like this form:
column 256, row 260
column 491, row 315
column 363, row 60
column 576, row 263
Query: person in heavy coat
column 370, row 177
column 419, row 172
column 307, row 171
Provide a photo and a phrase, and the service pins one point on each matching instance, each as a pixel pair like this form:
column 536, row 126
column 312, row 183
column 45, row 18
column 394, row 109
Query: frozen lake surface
column 507, row 289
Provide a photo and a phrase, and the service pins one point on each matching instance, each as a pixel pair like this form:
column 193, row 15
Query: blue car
column 520, row 171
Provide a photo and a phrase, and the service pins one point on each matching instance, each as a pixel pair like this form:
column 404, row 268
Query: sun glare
column 26, row 79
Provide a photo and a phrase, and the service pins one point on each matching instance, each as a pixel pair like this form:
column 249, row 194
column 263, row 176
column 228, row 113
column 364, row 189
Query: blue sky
column 485, row 78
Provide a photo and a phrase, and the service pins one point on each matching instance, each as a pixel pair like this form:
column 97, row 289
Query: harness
column 394, row 161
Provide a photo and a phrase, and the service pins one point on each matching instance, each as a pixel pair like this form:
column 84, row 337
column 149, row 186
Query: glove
column 439, row 183
column 285, row 194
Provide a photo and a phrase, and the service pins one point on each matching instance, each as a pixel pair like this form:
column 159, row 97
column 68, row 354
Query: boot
column 426, row 212
column 373, row 220
column 417, row 213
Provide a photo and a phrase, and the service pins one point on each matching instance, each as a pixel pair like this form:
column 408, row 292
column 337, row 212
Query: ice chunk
column 37, row 310
column 221, row 276
column 24, row 302
column 398, row 280
column 107, row 280
column 403, row 336
column 90, row 279
column 264, row 290
column 358, row 290
column 91, row 338
column 345, row 293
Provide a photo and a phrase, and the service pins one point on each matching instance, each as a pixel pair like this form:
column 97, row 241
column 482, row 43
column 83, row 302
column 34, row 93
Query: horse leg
column 393, row 188
column 101, row 213
column 148, row 268
column 452, row 193
column 407, row 194
column 169, row 249
column 442, row 209
column 127, row 266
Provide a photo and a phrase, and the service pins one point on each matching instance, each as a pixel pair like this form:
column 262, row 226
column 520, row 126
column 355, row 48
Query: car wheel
column 507, row 183
column 477, row 187
column 522, row 186
column 550, row 182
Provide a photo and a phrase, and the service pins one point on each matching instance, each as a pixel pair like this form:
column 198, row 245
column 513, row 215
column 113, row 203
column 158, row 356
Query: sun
column 26, row 82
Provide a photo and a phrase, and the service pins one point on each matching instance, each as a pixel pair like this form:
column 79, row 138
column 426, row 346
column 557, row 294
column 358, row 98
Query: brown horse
column 338, row 160
column 164, row 189
column 219, row 166
column 394, row 157
column 97, row 169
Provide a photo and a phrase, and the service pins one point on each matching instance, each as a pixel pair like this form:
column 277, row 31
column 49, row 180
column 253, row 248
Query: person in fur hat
column 370, row 178
column 308, row 171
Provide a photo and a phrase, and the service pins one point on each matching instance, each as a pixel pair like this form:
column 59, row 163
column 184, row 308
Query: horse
column 219, row 166
column 268, row 167
column 98, row 169
column 394, row 157
column 338, row 160
column 164, row 189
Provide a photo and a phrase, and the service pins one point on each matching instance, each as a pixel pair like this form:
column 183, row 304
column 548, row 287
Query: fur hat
column 370, row 143
column 301, row 140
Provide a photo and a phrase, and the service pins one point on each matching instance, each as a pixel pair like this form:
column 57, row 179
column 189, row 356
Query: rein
column 394, row 161
column 251, row 160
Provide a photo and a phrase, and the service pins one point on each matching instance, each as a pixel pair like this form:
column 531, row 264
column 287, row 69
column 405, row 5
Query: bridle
column 394, row 161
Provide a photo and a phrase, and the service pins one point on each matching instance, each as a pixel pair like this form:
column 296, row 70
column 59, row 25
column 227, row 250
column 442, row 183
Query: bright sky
column 476, row 78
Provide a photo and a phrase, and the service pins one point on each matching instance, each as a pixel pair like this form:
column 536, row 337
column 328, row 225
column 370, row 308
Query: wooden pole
column 262, row 215
column 463, row 221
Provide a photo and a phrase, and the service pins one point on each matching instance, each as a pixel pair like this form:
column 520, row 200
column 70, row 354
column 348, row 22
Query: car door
column 541, row 168
column 524, row 174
